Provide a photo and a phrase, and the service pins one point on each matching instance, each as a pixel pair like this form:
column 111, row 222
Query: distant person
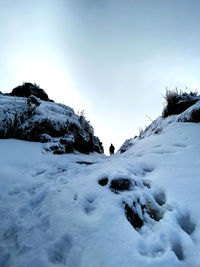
column 112, row 149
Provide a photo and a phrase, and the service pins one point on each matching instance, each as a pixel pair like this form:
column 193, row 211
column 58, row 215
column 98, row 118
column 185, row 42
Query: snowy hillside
column 137, row 208
column 57, row 125
column 180, row 107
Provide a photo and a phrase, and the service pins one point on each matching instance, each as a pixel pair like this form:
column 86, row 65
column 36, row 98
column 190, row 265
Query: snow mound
column 55, row 124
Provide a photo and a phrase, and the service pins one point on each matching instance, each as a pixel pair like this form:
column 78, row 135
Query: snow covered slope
column 139, row 208
column 180, row 107
column 35, row 120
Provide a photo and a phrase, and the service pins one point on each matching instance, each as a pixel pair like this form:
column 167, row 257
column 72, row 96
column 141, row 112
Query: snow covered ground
column 60, row 210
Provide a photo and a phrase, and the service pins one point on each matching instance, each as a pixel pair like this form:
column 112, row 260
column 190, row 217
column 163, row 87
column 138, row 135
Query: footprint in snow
column 58, row 253
column 38, row 172
column 186, row 223
column 37, row 199
column 89, row 205
column 179, row 145
column 148, row 208
column 174, row 241
column 75, row 197
column 156, row 146
column 160, row 152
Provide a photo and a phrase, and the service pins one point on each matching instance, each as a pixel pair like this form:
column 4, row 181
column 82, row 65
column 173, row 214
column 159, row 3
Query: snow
column 32, row 119
column 55, row 213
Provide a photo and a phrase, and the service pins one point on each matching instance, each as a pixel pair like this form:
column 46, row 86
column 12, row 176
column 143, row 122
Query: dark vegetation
column 28, row 89
column 177, row 102
column 30, row 118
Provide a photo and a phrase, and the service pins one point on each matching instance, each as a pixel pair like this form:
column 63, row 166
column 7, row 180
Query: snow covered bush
column 177, row 102
column 35, row 120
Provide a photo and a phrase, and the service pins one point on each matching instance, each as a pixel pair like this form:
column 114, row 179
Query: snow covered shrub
column 35, row 120
column 28, row 89
column 177, row 102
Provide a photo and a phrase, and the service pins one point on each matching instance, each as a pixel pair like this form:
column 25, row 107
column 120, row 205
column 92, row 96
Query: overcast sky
column 111, row 58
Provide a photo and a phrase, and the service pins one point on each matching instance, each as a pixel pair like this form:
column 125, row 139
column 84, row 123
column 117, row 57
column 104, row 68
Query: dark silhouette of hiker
column 112, row 149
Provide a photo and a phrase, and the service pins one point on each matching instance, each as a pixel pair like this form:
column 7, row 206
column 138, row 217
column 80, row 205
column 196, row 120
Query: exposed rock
column 103, row 181
column 137, row 214
column 120, row 184
column 133, row 217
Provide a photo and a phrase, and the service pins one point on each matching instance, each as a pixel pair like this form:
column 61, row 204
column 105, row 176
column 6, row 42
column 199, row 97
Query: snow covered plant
column 178, row 101
column 36, row 120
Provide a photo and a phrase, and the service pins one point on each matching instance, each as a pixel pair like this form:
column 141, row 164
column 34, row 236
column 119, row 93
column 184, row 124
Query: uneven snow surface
column 55, row 212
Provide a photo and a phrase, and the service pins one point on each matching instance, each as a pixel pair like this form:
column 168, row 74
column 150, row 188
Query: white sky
column 112, row 58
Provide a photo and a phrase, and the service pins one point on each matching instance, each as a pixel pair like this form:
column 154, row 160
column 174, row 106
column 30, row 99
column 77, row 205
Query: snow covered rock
column 54, row 124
